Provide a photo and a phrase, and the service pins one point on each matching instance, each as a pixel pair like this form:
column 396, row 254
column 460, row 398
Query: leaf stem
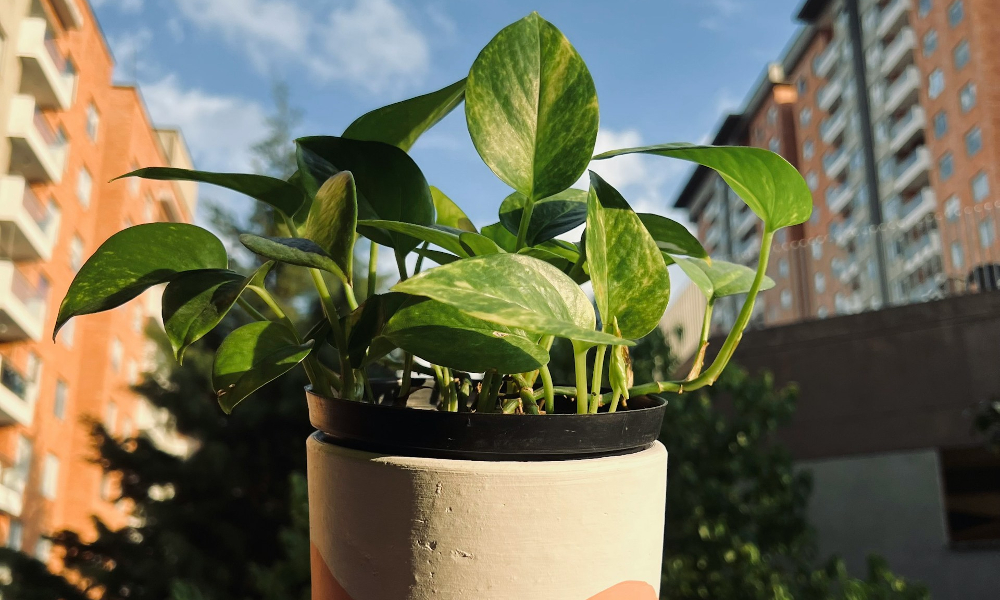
column 401, row 265
column 706, row 326
column 253, row 312
column 548, row 390
column 522, row 228
column 372, row 270
column 580, row 362
column 595, row 387
column 407, row 383
column 346, row 371
column 528, row 402
column 483, row 403
column 420, row 259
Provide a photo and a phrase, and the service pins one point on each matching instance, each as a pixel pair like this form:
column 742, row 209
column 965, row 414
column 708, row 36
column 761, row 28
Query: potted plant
column 514, row 487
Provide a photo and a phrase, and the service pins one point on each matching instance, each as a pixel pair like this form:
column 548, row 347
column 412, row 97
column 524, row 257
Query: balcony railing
column 834, row 125
column 16, row 395
column 30, row 296
column 904, row 88
column 38, row 153
column 919, row 207
column 825, row 60
column 30, row 227
column 906, row 128
column 892, row 17
column 901, row 47
column 46, row 74
column 835, row 161
column 838, row 196
column 830, row 93
column 911, row 169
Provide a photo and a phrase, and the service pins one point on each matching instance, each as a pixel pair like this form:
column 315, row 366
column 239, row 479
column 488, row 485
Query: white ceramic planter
column 403, row 528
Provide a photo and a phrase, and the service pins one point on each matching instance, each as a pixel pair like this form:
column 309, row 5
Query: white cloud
column 219, row 129
column 370, row 44
column 128, row 49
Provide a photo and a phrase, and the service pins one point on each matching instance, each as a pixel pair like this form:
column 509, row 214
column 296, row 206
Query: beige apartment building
column 889, row 109
column 65, row 132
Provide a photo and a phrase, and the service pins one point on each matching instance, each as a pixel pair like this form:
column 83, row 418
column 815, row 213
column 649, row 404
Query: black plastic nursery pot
column 414, row 503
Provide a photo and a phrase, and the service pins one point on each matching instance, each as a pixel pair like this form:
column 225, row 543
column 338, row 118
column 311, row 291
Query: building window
column 974, row 141
column 15, row 535
column 940, row 124
column 820, row 281
column 111, row 417
column 67, row 332
column 786, row 298
column 93, row 121
column 808, row 150
column 952, row 208
column 987, row 232
column 812, row 180
column 946, row 166
column 805, row 116
column 957, row 255
column 75, row 253
column 774, row 145
column 962, row 54
column 133, row 182
column 930, row 42
column 980, row 186
column 802, row 86
column 84, row 187
column 783, row 267
column 43, row 550
column 967, row 97
column 117, row 353
column 925, row 7
column 59, row 407
column 822, row 312
column 935, row 83
column 772, row 115
column 956, row 12
column 817, row 250
column 148, row 208
column 50, row 477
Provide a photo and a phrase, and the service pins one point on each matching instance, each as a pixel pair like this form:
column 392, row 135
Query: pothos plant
column 500, row 294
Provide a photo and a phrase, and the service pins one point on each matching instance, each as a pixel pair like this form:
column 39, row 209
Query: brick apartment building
column 65, row 131
column 891, row 111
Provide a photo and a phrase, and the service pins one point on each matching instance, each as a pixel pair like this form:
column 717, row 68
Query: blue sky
column 666, row 70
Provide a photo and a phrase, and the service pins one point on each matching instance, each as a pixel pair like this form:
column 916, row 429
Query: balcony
column 830, row 93
column 833, row 127
column 835, row 162
column 913, row 171
column 13, row 480
column 903, row 90
column 907, row 128
column 22, row 306
column 914, row 211
column 901, row 48
column 37, row 152
column 921, row 251
column 848, row 273
column 28, row 228
column 17, row 396
column 747, row 249
column 45, row 73
column 839, row 196
column 745, row 222
column 69, row 13
column 893, row 18
column 825, row 61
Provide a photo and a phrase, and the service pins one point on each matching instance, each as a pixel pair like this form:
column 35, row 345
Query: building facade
column 65, row 132
column 889, row 110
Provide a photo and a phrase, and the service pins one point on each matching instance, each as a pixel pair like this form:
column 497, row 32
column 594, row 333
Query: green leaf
column 550, row 216
column 449, row 214
column 721, row 278
column 196, row 301
column 499, row 234
column 252, row 356
column 368, row 321
column 438, row 236
column 441, row 258
column 478, row 245
column 545, row 255
column 135, row 259
column 443, row 335
column 672, row 237
column 400, row 124
column 294, row 251
column 282, row 195
column 630, row 279
column 512, row 290
column 771, row 187
column 390, row 186
column 531, row 108
column 333, row 218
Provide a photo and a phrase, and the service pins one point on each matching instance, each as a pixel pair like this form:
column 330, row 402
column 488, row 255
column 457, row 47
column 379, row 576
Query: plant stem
column 407, row 383
column 706, row 325
column 548, row 391
column 452, row 390
column 420, row 259
column 736, row 333
column 483, row 404
column 522, row 228
column 253, row 312
column 595, row 387
column 372, row 270
column 614, row 403
column 528, row 402
column 577, row 267
column 401, row 265
column 580, row 362
column 346, row 371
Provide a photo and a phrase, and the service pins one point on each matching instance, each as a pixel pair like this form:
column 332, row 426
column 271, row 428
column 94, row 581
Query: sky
column 665, row 70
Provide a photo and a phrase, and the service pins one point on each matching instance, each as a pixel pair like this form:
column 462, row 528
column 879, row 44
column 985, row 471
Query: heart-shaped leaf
column 368, row 321
column 436, row 235
column 478, row 245
column 445, row 336
column 512, row 290
column 252, row 356
column 333, row 219
column 282, row 195
column 499, row 234
column 196, row 301
column 671, row 236
column 531, row 108
column 135, row 259
column 400, row 124
column 720, row 278
column 771, row 187
column 630, row 280
column 550, row 216
column 294, row 251
column 441, row 258
column 390, row 186
column 449, row 214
